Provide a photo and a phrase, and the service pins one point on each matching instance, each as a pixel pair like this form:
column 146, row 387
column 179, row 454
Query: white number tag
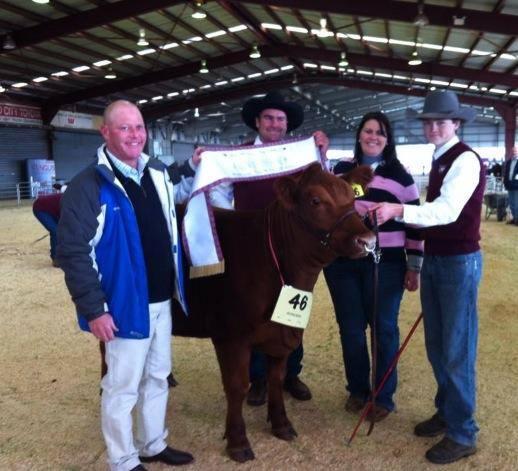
column 293, row 307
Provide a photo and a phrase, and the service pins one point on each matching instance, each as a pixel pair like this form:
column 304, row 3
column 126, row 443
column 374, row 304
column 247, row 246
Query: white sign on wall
column 19, row 114
column 70, row 119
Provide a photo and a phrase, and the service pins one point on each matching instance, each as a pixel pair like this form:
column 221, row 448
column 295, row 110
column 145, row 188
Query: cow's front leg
column 281, row 426
column 233, row 359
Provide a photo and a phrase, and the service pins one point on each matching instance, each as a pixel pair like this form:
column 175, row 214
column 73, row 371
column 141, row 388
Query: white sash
column 234, row 164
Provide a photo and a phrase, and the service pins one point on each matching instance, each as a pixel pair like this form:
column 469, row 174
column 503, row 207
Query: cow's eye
column 315, row 201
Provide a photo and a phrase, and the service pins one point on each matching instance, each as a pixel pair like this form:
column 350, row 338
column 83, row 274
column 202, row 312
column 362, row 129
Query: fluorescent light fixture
column 271, row 71
column 145, row 52
column 141, row 102
column 158, row 98
column 327, row 67
column 297, row 29
column 221, row 82
column 194, row 39
column 41, row 2
column 271, row 26
column 172, row 94
column 237, row 79
column 39, row 79
column 81, row 68
column 364, row 72
column 309, row 65
column 257, row 74
column 2, row 88
column 375, row 39
column 287, row 67
column 125, row 57
column 168, row 46
column 215, row 34
column 102, row 63
column 236, row 29
column 19, row 85
column 204, row 87
column 61, row 73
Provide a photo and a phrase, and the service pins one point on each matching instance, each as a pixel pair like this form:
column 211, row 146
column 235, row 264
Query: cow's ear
column 361, row 175
column 285, row 188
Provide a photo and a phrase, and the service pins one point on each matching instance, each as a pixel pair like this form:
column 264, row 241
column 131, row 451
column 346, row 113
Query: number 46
column 298, row 301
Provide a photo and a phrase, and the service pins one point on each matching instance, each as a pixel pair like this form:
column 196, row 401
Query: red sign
column 19, row 114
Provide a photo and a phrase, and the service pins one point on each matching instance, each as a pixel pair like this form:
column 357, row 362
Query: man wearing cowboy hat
column 450, row 275
column 272, row 117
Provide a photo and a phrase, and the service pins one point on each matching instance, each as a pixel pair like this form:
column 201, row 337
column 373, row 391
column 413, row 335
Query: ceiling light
column 204, row 69
column 415, row 59
column 110, row 74
column 2, row 88
column 323, row 32
column 196, row 112
column 42, row 2
column 343, row 60
column 421, row 19
column 8, row 44
column 199, row 14
column 255, row 53
column 142, row 38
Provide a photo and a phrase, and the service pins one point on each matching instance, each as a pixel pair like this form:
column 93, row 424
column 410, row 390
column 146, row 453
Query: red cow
column 309, row 225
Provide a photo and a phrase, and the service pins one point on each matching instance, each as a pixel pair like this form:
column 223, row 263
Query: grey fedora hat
column 444, row 104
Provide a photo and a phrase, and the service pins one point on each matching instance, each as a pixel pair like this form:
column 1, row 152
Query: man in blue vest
column 117, row 229
column 450, row 275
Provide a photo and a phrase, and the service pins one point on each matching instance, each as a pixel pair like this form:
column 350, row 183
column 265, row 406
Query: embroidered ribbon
column 233, row 164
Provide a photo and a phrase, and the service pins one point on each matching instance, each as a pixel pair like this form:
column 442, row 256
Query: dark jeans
column 350, row 283
column 50, row 223
column 258, row 364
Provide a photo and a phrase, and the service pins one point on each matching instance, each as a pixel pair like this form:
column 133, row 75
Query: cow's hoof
column 241, row 454
column 287, row 433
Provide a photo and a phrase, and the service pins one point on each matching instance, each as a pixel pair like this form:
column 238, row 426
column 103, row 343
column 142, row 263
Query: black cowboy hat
column 253, row 107
column 444, row 104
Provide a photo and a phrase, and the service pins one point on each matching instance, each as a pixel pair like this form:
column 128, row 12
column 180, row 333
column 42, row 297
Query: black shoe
column 257, row 393
column 170, row 456
column 138, row 468
column 432, row 427
column 297, row 388
column 171, row 381
column 448, row 451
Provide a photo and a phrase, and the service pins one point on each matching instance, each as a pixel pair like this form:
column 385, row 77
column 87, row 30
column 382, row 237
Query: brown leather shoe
column 448, row 451
column 378, row 413
column 354, row 404
column 169, row 456
column 297, row 389
column 257, row 393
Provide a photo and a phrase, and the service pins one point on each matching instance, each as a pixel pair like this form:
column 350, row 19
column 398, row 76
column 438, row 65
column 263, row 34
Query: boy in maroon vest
column 450, row 275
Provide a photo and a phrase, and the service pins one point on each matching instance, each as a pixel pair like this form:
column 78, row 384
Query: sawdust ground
column 49, row 401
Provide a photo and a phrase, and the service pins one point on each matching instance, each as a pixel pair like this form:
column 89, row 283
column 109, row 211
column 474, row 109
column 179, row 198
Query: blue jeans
column 50, row 223
column 513, row 203
column 350, row 283
column 449, row 288
column 258, row 364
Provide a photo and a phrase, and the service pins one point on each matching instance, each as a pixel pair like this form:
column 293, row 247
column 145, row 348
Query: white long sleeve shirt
column 457, row 187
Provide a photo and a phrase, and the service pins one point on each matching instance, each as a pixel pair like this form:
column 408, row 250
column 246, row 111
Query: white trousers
column 137, row 379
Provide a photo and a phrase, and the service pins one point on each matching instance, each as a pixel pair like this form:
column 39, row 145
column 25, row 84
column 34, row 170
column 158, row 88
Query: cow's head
column 324, row 204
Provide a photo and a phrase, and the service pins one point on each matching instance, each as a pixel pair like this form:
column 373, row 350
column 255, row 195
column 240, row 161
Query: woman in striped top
column 350, row 282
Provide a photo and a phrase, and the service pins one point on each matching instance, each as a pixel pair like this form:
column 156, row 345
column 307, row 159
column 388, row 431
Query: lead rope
column 376, row 255
column 272, row 251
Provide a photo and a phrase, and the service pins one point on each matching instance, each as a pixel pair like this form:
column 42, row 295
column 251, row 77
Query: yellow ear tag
column 358, row 190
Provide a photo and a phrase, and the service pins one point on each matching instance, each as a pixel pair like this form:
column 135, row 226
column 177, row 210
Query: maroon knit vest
column 462, row 236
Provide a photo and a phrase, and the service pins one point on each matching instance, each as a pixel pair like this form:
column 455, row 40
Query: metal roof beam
column 397, row 10
column 72, row 24
column 153, row 112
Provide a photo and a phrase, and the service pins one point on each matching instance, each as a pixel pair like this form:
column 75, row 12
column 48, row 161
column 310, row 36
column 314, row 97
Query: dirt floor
column 49, row 391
